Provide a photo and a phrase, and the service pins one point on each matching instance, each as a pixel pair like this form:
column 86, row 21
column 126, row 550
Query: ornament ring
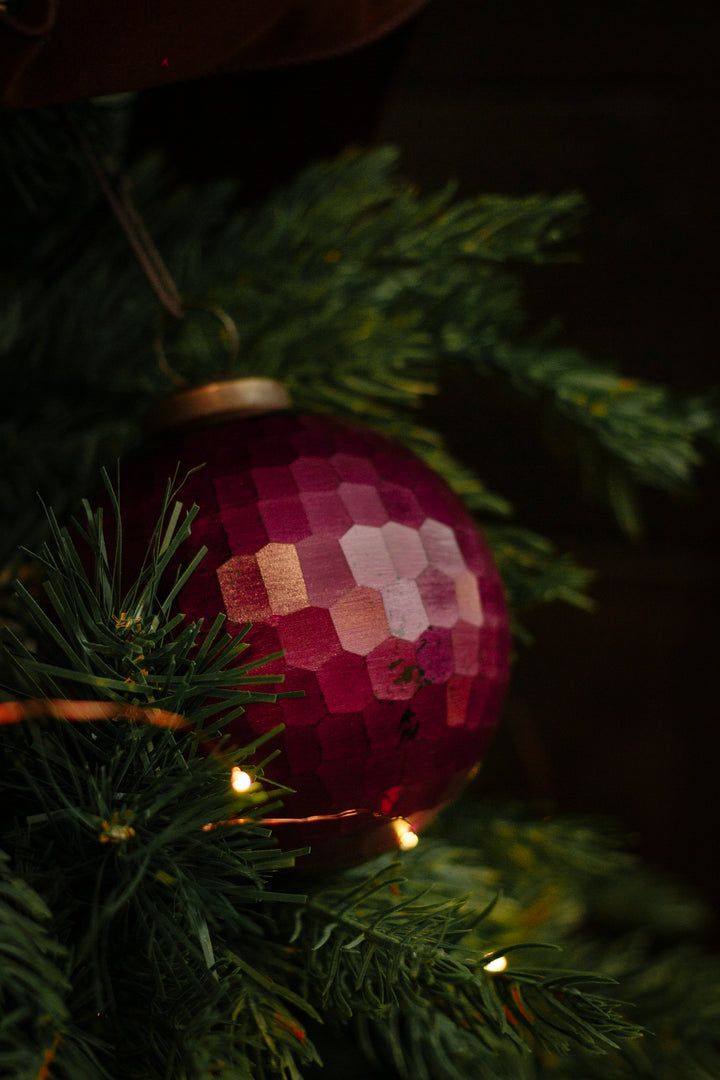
column 231, row 334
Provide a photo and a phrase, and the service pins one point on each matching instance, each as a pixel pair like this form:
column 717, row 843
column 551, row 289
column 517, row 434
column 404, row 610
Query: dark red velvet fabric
column 62, row 51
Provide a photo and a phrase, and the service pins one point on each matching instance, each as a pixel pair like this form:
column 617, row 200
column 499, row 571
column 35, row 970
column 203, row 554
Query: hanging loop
column 232, row 340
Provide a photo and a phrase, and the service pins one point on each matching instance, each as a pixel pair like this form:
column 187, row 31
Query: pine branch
column 357, row 290
column 156, row 874
column 366, row 952
column 129, row 644
column 151, row 944
column 533, row 572
column 620, row 431
column 34, row 988
column 572, row 884
column 180, row 956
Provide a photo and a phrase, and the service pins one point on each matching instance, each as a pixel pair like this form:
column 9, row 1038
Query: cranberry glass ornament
column 354, row 558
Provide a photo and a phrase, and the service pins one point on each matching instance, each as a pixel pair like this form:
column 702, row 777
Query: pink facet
column 390, row 799
column 243, row 590
column 405, row 548
column 481, row 705
column 283, row 578
column 394, row 670
column 284, row 519
column 425, row 718
column 345, row 743
column 468, row 598
column 311, row 442
column 305, row 711
column 268, row 451
column 308, row 638
column 325, row 570
column 262, row 642
column 435, row 657
column 458, row 695
column 493, row 602
column 355, row 468
column 402, row 469
column 360, row 621
column 492, row 650
column 326, row 513
column 382, row 774
column 438, row 503
column 406, row 614
column 367, row 556
column 274, row 482
column 314, row 474
column 209, row 533
column 345, row 683
column 401, row 504
column 267, row 716
column 437, row 591
column 466, row 648
column 384, row 717
column 355, row 441
column 363, row 504
column 343, row 779
column 203, row 593
column 244, row 529
column 441, row 547
column 229, row 491
column 475, row 552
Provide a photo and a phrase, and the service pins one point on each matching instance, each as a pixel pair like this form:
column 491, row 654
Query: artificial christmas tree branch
column 130, row 807
column 368, row 950
column 360, row 294
column 124, row 802
column 568, row 882
column 141, row 943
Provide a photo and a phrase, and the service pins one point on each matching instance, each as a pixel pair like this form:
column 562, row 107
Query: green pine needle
column 375, row 950
column 153, row 872
column 128, row 644
column 359, row 291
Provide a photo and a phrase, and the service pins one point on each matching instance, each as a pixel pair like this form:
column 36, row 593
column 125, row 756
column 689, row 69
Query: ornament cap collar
column 215, row 402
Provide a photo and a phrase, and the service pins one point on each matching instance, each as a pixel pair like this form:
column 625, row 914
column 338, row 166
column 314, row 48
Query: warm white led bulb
column 497, row 965
column 407, row 838
column 240, row 781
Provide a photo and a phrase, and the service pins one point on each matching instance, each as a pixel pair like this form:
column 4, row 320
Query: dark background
column 614, row 712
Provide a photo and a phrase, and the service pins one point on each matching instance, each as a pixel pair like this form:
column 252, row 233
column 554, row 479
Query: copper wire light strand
column 15, row 712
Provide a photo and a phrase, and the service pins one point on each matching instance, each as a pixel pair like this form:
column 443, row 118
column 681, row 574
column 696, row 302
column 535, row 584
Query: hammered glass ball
column 354, row 560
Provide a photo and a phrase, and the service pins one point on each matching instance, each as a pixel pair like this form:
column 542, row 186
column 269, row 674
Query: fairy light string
column 242, row 782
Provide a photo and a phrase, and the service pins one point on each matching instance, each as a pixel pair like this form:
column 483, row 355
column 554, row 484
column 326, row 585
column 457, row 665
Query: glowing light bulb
column 407, row 838
column 496, row 965
column 240, row 781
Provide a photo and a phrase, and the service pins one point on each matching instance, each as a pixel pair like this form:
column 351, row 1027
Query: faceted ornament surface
column 357, row 561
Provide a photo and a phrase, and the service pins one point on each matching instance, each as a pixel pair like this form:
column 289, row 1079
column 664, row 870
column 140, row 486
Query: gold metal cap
column 215, row 402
